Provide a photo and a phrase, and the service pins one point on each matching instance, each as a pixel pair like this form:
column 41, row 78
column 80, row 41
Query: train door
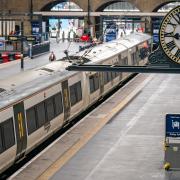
column 137, row 55
column 101, row 75
column 120, row 63
column 66, row 101
column 20, row 125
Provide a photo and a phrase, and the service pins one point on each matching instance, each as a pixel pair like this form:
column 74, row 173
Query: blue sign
column 35, row 27
column 155, row 38
column 156, row 23
column 110, row 37
column 2, row 41
column 37, row 30
column 172, row 125
column 111, row 32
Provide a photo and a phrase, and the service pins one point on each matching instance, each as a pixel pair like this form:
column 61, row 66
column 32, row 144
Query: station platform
column 14, row 67
column 123, row 139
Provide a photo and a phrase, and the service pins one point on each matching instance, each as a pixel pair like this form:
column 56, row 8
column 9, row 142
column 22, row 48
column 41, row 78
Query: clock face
column 170, row 34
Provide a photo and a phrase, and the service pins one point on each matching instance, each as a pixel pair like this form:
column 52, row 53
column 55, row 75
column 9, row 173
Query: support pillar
column 27, row 26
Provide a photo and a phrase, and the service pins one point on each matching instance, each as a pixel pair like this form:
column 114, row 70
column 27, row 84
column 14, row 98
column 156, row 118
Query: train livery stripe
column 66, row 101
column 20, row 125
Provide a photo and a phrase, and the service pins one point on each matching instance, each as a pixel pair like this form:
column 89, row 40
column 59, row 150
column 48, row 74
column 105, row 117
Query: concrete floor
column 130, row 147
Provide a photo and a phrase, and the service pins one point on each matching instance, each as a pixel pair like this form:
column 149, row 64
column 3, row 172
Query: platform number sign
column 173, row 125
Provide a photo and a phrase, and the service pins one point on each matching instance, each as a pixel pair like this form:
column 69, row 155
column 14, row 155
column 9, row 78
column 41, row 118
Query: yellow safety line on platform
column 57, row 165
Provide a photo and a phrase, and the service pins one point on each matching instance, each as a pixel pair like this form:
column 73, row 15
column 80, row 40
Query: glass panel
column 121, row 6
column 66, row 6
column 113, row 75
column 50, row 109
column 79, row 91
column 1, row 144
column 96, row 83
column 41, row 117
column 91, row 82
column 58, row 104
column 73, row 95
column 168, row 7
column 109, row 76
column 105, row 77
column 8, row 132
column 31, row 120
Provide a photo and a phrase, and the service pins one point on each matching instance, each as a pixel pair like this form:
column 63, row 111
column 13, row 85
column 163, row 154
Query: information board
column 156, row 22
column 173, row 125
column 2, row 41
column 30, row 38
column 14, row 38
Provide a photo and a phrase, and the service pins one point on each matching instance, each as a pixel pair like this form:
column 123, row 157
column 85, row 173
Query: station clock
column 170, row 35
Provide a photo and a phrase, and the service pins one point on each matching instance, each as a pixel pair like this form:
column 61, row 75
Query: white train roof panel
column 26, row 83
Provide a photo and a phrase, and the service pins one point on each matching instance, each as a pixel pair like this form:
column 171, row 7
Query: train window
column 58, row 104
column 1, row 142
column 133, row 58
column 113, row 75
column 79, row 91
column 110, row 76
column 124, row 61
column 8, row 133
column 107, row 77
column 41, row 118
column 72, row 96
column 75, row 93
column 50, row 109
column 91, row 83
column 94, row 83
column 31, row 120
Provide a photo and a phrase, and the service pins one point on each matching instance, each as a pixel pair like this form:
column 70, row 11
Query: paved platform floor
column 130, row 146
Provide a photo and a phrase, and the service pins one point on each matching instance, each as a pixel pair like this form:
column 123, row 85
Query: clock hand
column 177, row 36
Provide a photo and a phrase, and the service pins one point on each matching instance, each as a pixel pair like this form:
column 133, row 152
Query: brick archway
column 142, row 5
column 38, row 5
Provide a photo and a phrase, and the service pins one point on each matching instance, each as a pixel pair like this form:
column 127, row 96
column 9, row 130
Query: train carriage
column 36, row 103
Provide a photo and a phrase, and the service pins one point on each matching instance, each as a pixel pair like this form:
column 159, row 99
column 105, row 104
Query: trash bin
column 17, row 56
column 5, row 57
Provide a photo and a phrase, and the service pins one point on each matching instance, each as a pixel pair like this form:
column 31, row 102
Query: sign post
column 172, row 142
column 22, row 50
column 22, row 38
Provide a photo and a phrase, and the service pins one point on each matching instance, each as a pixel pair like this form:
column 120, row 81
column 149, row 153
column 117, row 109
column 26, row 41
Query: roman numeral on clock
column 168, row 34
column 172, row 24
column 177, row 18
column 171, row 45
column 177, row 53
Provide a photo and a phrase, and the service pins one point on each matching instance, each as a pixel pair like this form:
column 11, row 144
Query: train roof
column 15, row 88
column 25, row 83
column 104, row 51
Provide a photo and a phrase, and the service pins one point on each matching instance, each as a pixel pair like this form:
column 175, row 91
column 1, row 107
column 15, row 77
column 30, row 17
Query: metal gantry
column 115, row 68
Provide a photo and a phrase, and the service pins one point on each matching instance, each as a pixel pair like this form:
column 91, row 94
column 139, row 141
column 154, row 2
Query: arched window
column 66, row 6
column 121, row 6
column 168, row 7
